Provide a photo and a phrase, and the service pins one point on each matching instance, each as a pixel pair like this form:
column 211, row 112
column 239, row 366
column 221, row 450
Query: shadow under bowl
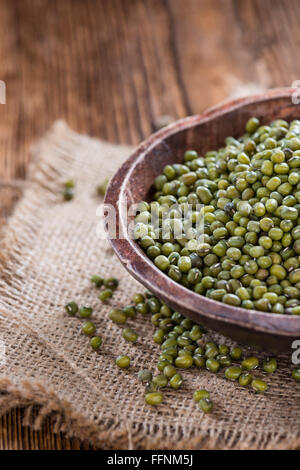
column 132, row 183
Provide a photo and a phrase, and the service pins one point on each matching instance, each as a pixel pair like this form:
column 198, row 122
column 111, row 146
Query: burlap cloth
column 49, row 250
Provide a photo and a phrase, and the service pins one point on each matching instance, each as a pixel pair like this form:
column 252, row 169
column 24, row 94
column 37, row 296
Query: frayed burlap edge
column 40, row 403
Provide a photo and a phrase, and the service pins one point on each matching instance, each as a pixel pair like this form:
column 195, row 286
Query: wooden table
column 110, row 68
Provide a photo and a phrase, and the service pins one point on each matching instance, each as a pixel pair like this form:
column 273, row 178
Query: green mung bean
column 296, row 374
column 245, row 379
column 184, row 362
column 117, row 316
column 111, row 283
column 199, row 394
column 101, row 189
column 130, row 335
column 123, row 361
column 154, row 398
column 97, row 280
column 96, row 342
column 72, row 308
column 145, row 375
column 270, row 365
column 68, row 194
column 105, row 295
column 250, row 363
column 233, row 372
column 160, row 380
column 176, row 381
column 88, row 328
column 206, row 405
column 169, row 371
column 259, row 385
column 85, row 312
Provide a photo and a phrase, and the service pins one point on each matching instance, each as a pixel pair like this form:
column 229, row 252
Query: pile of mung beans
column 183, row 343
column 246, row 251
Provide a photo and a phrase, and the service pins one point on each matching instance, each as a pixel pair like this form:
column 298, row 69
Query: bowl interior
column 133, row 183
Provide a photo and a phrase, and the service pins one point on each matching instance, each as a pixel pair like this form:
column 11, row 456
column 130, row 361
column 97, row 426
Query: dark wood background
column 110, row 68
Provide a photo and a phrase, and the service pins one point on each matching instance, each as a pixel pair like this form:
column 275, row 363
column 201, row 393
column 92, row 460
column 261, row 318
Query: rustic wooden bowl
column 133, row 181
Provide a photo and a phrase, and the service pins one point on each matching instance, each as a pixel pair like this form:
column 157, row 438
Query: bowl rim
column 145, row 271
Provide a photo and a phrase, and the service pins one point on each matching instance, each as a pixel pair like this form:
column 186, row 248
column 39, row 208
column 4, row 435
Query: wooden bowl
column 132, row 183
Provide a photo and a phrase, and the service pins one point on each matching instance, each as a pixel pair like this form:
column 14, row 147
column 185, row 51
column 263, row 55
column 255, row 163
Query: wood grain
column 112, row 67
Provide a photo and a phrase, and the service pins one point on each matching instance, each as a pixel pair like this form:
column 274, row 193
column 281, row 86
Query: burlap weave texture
column 49, row 250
